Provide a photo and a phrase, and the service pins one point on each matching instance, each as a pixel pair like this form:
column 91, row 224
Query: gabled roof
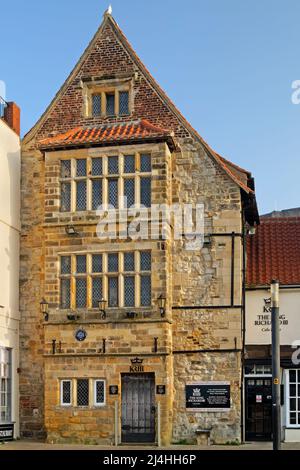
column 109, row 134
column 108, row 20
column 274, row 252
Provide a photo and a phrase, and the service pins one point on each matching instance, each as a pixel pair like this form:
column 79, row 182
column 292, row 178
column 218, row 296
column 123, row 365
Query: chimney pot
column 12, row 116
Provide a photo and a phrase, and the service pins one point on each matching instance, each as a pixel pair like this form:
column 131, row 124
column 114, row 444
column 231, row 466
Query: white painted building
column 9, row 267
column 273, row 253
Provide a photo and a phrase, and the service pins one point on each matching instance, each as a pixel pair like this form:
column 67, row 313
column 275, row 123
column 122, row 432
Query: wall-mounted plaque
column 113, row 389
column 80, row 335
column 160, row 389
column 6, row 432
column 207, row 396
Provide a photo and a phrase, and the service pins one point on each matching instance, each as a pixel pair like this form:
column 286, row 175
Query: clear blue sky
column 227, row 64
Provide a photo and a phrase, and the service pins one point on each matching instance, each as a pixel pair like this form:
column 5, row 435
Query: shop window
column 5, row 385
column 293, row 393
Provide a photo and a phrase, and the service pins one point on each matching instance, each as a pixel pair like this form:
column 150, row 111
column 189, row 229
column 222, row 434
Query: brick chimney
column 12, row 116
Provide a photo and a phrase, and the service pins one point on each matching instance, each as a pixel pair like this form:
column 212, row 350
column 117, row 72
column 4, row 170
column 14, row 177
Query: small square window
column 82, row 392
column 96, row 102
column 123, row 103
column 110, row 104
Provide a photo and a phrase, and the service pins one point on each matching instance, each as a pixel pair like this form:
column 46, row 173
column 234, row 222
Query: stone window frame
column 121, row 176
column 62, row 403
column 92, row 388
column 103, row 88
column 95, row 402
column 105, row 274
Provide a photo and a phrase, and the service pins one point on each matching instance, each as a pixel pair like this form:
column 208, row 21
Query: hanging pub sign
column 207, row 396
column 6, row 432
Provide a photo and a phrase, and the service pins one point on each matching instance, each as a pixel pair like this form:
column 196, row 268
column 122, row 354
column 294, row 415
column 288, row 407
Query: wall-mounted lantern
column 44, row 309
column 71, row 230
column 162, row 305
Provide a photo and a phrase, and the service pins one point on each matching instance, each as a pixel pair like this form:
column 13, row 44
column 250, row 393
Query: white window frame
column 61, row 392
column 287, row 395
column 95, row 392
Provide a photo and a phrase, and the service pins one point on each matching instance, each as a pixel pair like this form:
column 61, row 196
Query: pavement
column 35, row 445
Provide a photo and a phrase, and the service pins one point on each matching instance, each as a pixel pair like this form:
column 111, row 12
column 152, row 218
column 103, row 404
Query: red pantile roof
column 128, row 132
column 274, row 252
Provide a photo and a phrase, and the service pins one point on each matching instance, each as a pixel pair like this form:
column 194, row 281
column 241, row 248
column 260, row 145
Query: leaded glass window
column 110, row 104
column 96, row 291
column 65, row 168
column 66, row 392
column 145, row 195
column 129, row 191
column 97, row 263
column 65, row 293
column 113, row 165
column 123, row 103
column 81, row 292
column 81, row 263
column 113, row 262
column 113, row 291
column 97, row 166
column 145, row 163
column 128, row 261
column 96, row 194
column 145, row 257
column 96, row 102
column 81, row 195
column 65, row 265
column 99, row 394
column 81, row 167
column 65, row 197
column 129, row 163
column 129, row 291
column 113, row 192
column 82, row 392
column 145, row 290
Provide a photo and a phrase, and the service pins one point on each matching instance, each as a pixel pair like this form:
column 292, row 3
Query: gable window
column 122, row 278
column 87, row 183
column 110, row 102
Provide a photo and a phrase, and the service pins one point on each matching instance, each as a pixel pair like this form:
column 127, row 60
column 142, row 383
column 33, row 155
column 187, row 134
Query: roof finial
column 108, row 11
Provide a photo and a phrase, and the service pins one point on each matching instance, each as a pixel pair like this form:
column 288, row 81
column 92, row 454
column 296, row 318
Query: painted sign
column 258, row 316
column 6, row 432
column 207, row 396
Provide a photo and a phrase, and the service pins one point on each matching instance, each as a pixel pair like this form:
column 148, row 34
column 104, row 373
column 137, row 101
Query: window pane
column 100, row 391
column 113, row 296
column 145, row 163
column 82, row 392
column 65, row 191
column 293, row 418
column 81, row 195
column 129, row 192
column 113, row 262
column 81, row 293
column 96, row 166
column 129, row 163
column 113, row 192
column 123, row 102
column 81, row 167
column 81, row 263
column 292, row 390
column 65, row 264
column 113, row 165
column 292, row 376
column 65, row 168
column 97, row 263
column 146, row 192
column 293, row 404
column 66, row 392
column 145, row 290
column 97, row 291
column 96, row 102
column 110, row 104
column 96, row 194
column 145, row 257
column 65, row 293
column 129, row 290
column 128, row 261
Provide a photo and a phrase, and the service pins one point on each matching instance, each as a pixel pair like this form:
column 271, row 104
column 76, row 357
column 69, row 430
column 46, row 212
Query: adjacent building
column 273, row 253
column 122, row 339
column 10, row 160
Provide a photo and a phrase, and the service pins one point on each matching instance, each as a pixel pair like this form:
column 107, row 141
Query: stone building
column 10, row 164
column 135, row 340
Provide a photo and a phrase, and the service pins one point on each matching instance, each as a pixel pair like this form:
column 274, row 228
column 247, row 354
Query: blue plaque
column 80, row 335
